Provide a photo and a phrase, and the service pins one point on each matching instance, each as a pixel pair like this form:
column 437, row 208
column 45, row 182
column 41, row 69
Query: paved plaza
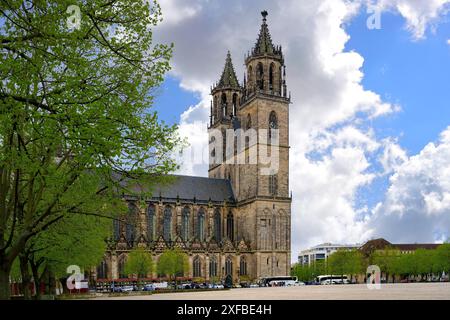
column 406, row 291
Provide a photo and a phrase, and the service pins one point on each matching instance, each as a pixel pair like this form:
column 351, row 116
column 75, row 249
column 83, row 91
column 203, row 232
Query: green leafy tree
column 386, row 260
column 443, row 258
column 139, row 263
column 353, row 263
column 173, row 263
column 74, row 240
column 426, row 262
column 337, row 262
column 76, row 130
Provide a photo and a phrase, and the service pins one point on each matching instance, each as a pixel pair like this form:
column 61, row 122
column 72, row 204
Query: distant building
column 382, row 244
column 322, row 251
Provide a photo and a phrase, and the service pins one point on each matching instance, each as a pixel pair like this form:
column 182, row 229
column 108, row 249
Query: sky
column 370, row 118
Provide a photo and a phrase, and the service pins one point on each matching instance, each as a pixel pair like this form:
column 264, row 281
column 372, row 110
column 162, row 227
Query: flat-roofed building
column 322, row 251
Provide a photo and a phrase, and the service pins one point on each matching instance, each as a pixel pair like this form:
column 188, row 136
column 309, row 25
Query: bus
column 278, row 281
column 332, row 279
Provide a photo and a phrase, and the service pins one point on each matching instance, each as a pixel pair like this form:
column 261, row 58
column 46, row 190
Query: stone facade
column 237, row 222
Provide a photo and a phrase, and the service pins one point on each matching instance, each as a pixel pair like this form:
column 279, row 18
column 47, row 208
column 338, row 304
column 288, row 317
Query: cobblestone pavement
column 406, row 291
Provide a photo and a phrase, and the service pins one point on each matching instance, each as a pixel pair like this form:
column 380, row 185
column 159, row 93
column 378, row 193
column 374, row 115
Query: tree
column 74, row 240
column 426, row 261
column 443, row 258
column 353, row 263
column 139, row 263
column 172, row 263
column 76, row 131
column 337, row 263
column 386, row 260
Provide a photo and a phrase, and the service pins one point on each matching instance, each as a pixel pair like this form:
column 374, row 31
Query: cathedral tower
column 258, row 172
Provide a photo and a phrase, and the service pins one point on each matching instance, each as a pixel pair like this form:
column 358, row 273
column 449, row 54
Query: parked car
column 161, row 285
column 148, row 287
column 187, row 286
column 215, row 286
column 203, row 286
column 254, row 285
column 127, row 288
column 116, row 289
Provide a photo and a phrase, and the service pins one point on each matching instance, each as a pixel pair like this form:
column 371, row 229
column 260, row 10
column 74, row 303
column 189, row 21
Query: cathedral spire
column 228, row 78
column 264, row 43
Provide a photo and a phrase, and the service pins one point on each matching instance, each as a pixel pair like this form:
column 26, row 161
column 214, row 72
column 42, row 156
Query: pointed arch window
column 196, row 267
column 117, row 228
column 213, row 267
column 230, row 226
column 229, row 267
column 185, row 223
column 102, row 270
column 249, row 122
column 260, row 76
column 271, row 75
column 217, row 225
column 273, row 124
column 224, row 105
column 130, row 230
column 273, row 184
column 151, row 222
column 121, row 266
column 235, row 104
column 167, row 224
column 200, row 232
column 243, row 266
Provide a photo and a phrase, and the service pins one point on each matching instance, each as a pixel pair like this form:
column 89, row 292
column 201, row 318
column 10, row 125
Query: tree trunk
column 5, row 288
column 26, row 277
column 37, row 279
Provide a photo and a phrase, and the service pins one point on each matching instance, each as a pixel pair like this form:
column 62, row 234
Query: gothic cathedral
column 236, row 222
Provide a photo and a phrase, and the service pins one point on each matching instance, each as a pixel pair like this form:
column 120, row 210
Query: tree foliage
column 139, row 263
column 421, row 263
column 173, row 263
column 308, row 273
column 75, row 125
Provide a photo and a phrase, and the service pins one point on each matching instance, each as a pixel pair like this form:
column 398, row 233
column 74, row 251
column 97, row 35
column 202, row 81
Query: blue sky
column 413, row 74
column 369, row 123
column 171, row 100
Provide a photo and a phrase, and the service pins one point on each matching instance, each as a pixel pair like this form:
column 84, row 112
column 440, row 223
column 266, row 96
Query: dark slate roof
column 381, row 244
column 200, row 188
column 415, row 246
column 228, row 78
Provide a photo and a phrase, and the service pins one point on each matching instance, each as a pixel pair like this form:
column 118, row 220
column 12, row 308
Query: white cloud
column 392, row 156
column 417, row 204
column 330, row 105
column 419, row 14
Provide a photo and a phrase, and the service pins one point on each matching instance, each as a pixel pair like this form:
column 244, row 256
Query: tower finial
column 264, row 14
